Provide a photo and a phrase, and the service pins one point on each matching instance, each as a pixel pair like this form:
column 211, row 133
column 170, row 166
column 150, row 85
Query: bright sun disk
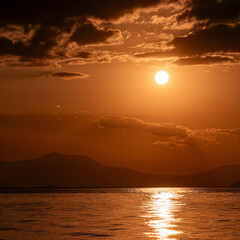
column 161, row 77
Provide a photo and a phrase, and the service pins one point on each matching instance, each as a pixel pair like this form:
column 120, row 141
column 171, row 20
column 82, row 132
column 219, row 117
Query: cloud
column 39, row 46
column 195, row 45
column 67, row 75
column 83, row 54
column 50, row 13
column 87, row 33
column 37, row 51
column 158, row 129
column 203, row 60
column 156, row 54
column 235, row 131
column 102, row 56
column 214, row 32
column 171, row 134
column 198, row 141
column 43, row 30
column 212, row 10
column 166, row 129
column 45, row 43
column 52, row 19
column 220, row 38
column 191, row 141
column 171, row 142
column 119, row 122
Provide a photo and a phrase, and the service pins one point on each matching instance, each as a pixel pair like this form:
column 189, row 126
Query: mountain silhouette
column 60, row 170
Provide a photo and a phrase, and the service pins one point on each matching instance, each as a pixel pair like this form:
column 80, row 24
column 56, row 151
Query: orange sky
column 62, row 76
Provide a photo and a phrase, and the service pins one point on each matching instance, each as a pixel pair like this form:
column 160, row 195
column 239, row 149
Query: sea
column 119, row 213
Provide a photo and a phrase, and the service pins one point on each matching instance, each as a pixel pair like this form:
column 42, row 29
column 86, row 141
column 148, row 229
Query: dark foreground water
column 142, row 213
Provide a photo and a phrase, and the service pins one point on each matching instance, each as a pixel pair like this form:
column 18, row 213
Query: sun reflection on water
column 161, row 215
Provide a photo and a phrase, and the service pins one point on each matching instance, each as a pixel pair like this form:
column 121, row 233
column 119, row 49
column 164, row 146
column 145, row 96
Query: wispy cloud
column 67, row 75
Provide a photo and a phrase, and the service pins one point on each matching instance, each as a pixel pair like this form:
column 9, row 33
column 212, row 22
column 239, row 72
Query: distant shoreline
column 85, row 187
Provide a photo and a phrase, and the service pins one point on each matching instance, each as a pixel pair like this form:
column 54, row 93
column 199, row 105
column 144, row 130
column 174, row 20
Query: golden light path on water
column 161, row 215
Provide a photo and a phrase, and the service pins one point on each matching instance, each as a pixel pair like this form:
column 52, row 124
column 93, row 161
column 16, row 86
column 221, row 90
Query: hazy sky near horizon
column 78, row 77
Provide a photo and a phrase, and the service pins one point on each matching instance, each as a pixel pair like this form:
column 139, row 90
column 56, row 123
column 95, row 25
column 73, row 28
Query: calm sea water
column 148, row 213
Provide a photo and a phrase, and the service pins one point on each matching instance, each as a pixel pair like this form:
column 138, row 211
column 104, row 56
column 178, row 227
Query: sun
column 161, row 77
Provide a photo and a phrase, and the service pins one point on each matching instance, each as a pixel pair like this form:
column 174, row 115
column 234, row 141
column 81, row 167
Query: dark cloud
column 156, row 54
column 28, row 62
column 45, row 43
column 45, row 40
column 119, row 122
column 49, row 20
column 203, row 60
column 67, row 75
column 220, row 38
column 217, row 39
column 212, row 10
column 215, row 31
column 83, row 55
column 57, row 13
column 39, row 46
column 87, row 33
column 46, row 30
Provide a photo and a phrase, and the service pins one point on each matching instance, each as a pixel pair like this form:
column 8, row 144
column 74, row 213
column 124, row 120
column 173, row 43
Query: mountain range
column 60, row 170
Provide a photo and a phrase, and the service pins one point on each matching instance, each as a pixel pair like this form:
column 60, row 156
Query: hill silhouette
column 81, row 171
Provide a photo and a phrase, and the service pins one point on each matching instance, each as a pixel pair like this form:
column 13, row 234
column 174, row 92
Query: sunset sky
column 77, row 77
